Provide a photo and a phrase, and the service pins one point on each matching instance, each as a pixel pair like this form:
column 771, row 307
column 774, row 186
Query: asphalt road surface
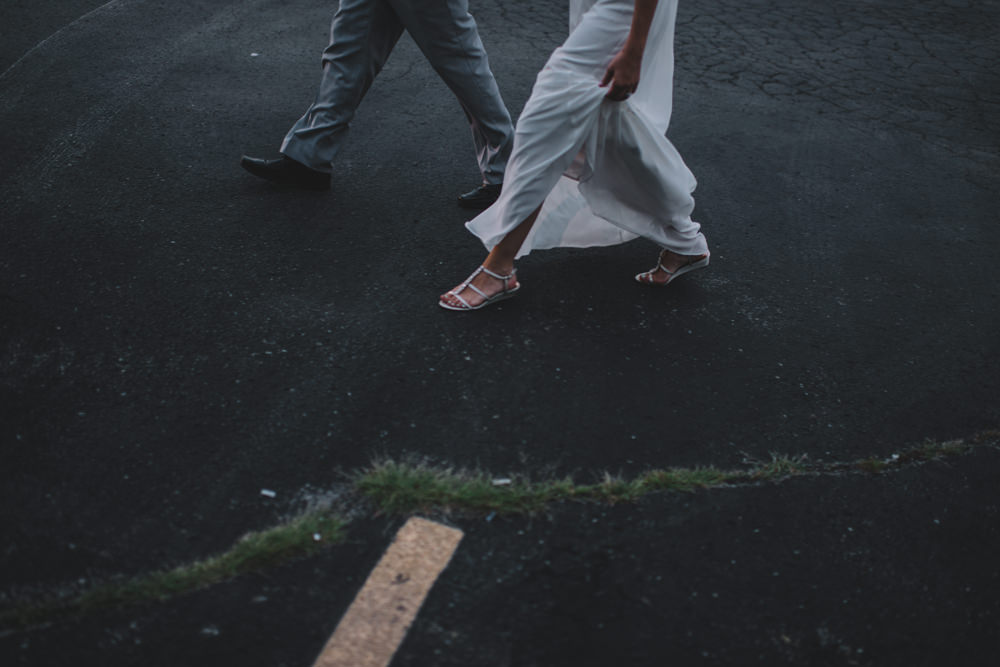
column 176, row 335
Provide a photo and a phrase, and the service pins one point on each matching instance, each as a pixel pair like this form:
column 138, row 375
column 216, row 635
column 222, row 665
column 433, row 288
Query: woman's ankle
column 503, row 267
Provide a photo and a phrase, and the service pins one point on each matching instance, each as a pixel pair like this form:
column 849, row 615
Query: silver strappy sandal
column 499, row 296
column 646, row 277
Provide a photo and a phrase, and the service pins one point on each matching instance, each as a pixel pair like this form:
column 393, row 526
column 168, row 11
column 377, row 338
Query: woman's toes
column 653, row 277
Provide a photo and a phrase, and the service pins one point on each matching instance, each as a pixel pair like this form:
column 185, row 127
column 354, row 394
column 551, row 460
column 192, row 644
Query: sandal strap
column 465, row 303
column 496, row 275
column 474, row 274
column 659, row 265
column 477, row 290
column 467, row 284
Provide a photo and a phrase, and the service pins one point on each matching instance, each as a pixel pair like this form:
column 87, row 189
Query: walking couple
column 588, row 164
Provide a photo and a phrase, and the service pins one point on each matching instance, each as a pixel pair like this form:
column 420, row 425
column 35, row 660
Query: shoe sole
column 271, row 178
column 476, row 206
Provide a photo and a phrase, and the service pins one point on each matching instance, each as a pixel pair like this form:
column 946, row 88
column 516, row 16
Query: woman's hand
column 622, row 74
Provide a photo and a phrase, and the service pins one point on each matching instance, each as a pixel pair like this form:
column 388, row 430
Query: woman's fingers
column 623, row 75
column 609, row 74
column 618, row 92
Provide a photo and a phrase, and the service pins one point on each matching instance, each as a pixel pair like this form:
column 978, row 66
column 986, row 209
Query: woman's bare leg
column 499, row 261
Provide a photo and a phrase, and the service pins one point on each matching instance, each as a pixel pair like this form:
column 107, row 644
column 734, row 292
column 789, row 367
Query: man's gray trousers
column 362, row 36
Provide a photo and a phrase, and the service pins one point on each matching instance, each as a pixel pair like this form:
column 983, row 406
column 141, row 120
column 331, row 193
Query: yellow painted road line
column 383, row 610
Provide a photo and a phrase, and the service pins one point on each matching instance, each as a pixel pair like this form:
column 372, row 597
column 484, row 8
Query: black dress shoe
column 481, row 197
column 287, row 171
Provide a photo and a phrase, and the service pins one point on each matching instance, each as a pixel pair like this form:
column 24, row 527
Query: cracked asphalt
column 175, row 336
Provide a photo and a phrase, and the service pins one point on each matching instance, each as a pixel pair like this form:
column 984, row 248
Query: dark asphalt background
column 176, row 335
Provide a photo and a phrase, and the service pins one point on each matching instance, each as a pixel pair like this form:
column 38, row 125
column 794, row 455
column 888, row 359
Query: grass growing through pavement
column 926, row 451
column 401, row 488
column 253, row 551
column 405, row 488
column 398, row 488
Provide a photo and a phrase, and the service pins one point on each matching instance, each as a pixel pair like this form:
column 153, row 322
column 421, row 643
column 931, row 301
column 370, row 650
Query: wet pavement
column 175, row 335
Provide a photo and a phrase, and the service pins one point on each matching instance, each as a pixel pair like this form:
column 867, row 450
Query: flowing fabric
column 605, row 170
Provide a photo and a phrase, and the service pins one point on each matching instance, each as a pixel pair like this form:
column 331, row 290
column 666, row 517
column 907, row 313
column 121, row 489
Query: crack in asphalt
column 56, row 603
column 823, row 55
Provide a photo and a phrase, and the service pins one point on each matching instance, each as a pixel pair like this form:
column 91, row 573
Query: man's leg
column 362, row 36
column 448, row 36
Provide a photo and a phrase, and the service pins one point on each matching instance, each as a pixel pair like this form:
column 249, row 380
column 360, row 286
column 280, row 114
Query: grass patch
column 929, row 450
column 252, row 552
column 611, row 490
column 779, row 466
column 615, row 489
column 402, row 488
column 991, row 436
column 685, row 479
column 872, row 465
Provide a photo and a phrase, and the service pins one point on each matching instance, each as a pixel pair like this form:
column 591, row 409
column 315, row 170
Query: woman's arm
column 623, row 72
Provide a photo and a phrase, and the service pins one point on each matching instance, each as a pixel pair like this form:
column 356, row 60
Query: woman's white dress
column 604, row 169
